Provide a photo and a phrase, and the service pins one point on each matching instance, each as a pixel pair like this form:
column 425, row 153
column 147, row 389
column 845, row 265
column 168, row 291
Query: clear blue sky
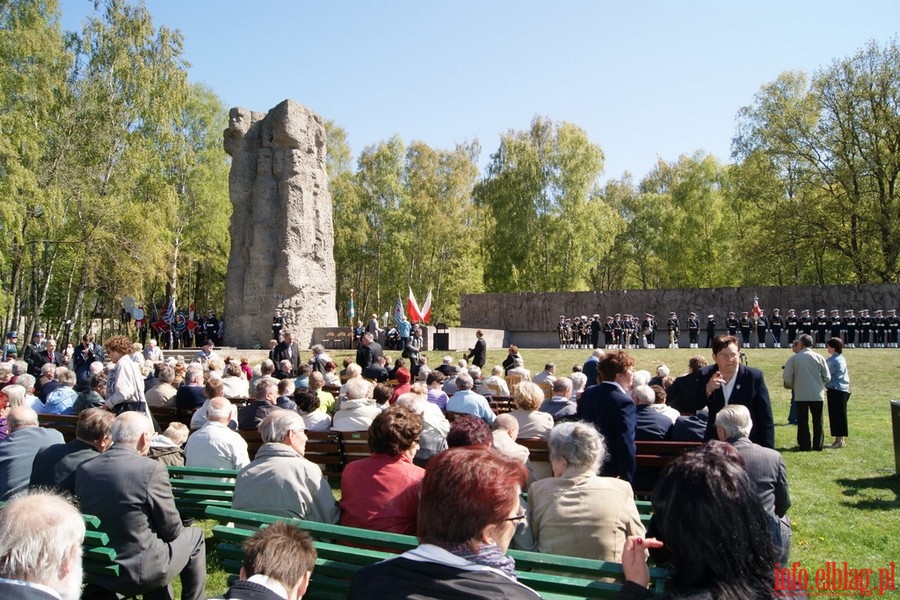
column 644, row 79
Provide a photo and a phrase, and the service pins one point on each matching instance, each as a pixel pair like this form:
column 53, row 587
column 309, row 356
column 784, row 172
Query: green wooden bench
column 195, row 489
column 554, row 577
column 98, row 557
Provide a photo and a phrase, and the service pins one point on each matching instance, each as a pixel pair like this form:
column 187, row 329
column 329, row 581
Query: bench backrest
column 340, row 557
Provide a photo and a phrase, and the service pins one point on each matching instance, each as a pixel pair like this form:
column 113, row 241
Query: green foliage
column 110, row 163
column 538, row 195
column 833, row 144
column 404, row 218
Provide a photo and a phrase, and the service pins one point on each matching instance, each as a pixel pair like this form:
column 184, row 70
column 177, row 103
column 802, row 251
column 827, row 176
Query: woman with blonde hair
column 528, row 398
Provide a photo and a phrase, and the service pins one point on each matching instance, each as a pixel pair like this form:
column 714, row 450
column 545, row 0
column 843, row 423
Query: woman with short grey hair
column 576, row 499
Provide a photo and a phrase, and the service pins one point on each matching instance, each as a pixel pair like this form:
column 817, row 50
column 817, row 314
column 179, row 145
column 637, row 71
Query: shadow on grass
column 853, row 487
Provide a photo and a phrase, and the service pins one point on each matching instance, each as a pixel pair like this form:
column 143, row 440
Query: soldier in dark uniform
column 635, row 331
column 865, row 326
column 561, row 330
column 732, row 324
column 277, row 325
column 674, row 329
column 648, row 326
column 627, row 331
column 584, row 338
column 211, row 327
column 879, row 326
column 710, row 329
column 893, row 327
column 693, row 331
column 762, row 324
column 609, row 332
column 850, row 323
column 835, row 323
column 792, row 321
column 806, row 322
column 618, row 342
column 776, row 322
column 821, row 328
column 596, row 326
column 746, row 325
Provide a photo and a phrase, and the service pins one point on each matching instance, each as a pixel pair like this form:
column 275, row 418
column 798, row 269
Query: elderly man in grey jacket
column 280, row 481
column 806, row 374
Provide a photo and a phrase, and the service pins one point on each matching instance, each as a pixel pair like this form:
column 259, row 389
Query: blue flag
column 398, row 310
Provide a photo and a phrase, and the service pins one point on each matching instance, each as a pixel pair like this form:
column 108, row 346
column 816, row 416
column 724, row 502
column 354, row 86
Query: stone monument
column 281, row 226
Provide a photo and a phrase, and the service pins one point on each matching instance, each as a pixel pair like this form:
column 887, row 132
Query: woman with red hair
column 468, row 510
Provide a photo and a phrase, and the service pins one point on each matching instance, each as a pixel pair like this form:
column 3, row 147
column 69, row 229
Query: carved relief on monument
column 281, row 226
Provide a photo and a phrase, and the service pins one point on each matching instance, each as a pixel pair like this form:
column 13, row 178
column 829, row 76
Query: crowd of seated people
column 576, row 509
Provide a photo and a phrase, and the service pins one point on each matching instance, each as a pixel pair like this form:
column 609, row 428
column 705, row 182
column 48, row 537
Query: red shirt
column 382, row 493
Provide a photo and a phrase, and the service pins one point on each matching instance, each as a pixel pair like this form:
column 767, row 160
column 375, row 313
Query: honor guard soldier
column 693, row 331
column 211, row 327
column 821, row 328
column 850, row 324
column 627, row 331
column 732, row 324
column 776, row 322
column 879, row 327
column 584, row 333
column 617, row 331
column 792, row 322
column 710, row 329
column 762, row 324
column 835, row 323
column 649, row 328
column 674, row 329
column 865, row 327
column 561, row 329
column 746, row 325
column 596, row 327
column 609, row 332
column 806, row 322
column 636, row 333
column 893, row 328
column 277, row 325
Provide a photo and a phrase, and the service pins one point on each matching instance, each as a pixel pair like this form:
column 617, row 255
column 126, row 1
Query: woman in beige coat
column 577, row 512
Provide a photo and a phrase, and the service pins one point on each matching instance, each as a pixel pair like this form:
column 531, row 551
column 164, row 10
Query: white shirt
column 729, row 387
column 215, row 446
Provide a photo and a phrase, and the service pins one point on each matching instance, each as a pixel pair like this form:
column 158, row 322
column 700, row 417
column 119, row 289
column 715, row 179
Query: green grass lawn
column 845, row 501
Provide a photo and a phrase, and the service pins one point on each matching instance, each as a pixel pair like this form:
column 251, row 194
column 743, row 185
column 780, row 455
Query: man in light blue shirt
column 404, row 328
column 468, row 402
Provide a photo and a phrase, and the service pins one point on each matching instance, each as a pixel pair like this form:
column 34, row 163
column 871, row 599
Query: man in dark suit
column 649, row 423
column 589, row 368
column 730, row 382
column 54, row 466
column 368, row 351
column 765, row 468
column 48, row 355
column 18, row 450
column 478, row 354
column 686, row 393
column 133, row 499
column 609, row 407
column 190, row 394
column 287, row 350
column 40, row 541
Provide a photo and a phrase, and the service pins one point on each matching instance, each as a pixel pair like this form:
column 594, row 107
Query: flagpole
column 352, row 309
